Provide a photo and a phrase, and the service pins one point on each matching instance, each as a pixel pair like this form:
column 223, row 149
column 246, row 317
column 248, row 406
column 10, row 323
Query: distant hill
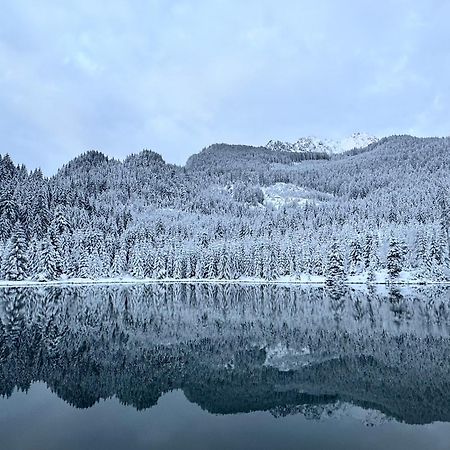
column 234, row 211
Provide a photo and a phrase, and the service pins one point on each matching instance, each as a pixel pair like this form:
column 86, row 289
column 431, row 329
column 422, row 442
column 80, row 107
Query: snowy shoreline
column 357, row 280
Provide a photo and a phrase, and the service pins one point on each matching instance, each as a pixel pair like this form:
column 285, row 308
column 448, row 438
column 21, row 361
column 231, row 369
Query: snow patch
column 282, row 194
column 285, row 358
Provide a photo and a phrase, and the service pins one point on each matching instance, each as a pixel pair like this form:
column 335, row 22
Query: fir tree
column 335, row 273
column 356, row 257
column 371, row 275
column 199, row 268
column 137, row 263
column 46, row 269
column 159, row 271
column 394, row 258
column 15, row 261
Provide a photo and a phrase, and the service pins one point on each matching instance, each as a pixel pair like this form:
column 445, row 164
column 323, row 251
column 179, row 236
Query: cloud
column 176, row 76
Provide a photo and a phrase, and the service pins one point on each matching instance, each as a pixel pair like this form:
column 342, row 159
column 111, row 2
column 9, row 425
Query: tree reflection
column 232, row 348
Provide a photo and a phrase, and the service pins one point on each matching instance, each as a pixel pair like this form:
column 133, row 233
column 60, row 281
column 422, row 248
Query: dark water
column 224, row 367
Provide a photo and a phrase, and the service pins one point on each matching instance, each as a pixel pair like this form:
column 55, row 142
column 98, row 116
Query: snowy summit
column 329, row 146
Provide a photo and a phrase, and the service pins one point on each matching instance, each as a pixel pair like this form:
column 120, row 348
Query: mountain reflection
column 287, row 350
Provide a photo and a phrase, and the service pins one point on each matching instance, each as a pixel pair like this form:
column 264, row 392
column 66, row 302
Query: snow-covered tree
column 15, row 263
column 335, row 273
column 47, row 261
column 394, row 258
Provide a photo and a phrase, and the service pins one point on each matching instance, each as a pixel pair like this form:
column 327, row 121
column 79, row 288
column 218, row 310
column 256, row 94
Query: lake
column 180, row 366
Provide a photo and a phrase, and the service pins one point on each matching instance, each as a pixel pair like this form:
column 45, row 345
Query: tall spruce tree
column 394, row 258
column 15, row 260
column 47, row 268
column 335, row 273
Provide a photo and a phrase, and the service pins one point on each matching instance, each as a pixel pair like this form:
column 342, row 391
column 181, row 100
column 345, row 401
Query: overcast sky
column 176, row 76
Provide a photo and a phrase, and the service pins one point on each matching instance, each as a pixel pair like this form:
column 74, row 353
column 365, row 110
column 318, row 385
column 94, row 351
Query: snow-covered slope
column 315, row 144
column 285, row 194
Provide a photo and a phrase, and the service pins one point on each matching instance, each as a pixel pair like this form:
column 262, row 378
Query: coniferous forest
column 233, row 212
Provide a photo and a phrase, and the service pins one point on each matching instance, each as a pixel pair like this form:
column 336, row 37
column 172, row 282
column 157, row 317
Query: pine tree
column 137, row 262
column 228, row 268
column 46, row 269
column 159, row 270
column 235, row 260
column 436, row 250
column 368, row 251
column 258, row 263
column 211, row 266
column 335, row 273
column 178, row 271
column 15, row 260
column 199, row 268
column 421, row 246
column 119, row 264
column 83, row 264
column 275, row 269
column 2, row 259
column 394, row 258
column 371, row 275
column 115, row 269
column 95, row 265
column 246, row 264
column 188, row 264
column 5, row 228
column 356, row 257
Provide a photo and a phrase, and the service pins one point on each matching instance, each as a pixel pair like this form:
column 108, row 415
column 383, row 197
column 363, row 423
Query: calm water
column 224, row 367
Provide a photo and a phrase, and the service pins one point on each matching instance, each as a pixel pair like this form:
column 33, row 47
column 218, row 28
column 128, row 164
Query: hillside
column 233, row 211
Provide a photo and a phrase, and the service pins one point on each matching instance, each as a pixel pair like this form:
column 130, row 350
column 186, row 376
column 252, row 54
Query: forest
column 378, row 211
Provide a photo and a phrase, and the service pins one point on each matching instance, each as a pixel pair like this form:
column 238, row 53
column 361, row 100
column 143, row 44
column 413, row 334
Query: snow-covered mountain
column 234, row 211
column 330, row 146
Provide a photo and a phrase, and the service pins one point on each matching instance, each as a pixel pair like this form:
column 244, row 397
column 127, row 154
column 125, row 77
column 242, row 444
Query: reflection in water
column 230, row 349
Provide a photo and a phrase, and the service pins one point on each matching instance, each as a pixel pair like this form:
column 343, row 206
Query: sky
column 176, row 76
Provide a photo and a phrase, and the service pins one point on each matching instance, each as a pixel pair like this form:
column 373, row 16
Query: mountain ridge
column 331, row 146
column 233, row 211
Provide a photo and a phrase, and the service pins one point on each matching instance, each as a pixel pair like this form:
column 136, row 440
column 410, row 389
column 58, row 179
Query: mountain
column 329, row 146
column 238, row 158
column 233, row 212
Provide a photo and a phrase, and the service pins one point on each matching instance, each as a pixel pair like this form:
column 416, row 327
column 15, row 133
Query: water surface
column 207, row 366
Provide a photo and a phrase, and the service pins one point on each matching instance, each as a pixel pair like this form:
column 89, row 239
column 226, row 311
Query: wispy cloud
column 175, row 76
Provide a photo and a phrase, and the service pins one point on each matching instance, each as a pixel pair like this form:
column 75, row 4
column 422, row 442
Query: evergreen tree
column 15, row 261
column 83, row 264
column 137, row 262
column 46, row 269
column 421, row 245
column 199, row 268
column 335, row 273
column 159, row 271
column 178, row 271
column 2, row 259
column 371, row 276
column 368, row 251
column 394, row 258
column 356, row 257
column 211, row 266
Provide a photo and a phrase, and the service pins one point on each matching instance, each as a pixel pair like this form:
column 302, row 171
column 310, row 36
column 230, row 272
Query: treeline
column 383, row 209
